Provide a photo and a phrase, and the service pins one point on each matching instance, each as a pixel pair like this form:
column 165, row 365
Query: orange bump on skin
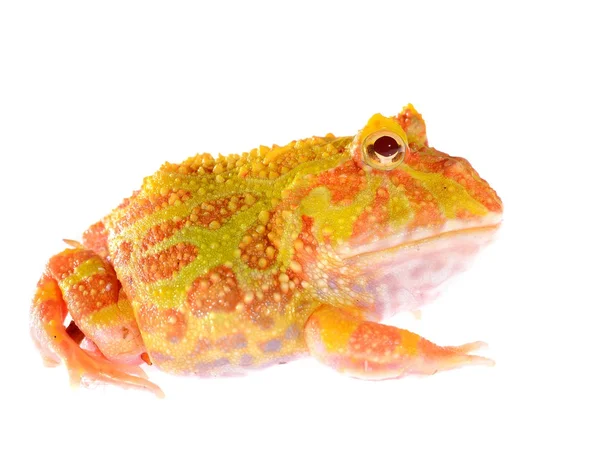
column 271, row 300
column 378, row 212
column 216, row 291
column 160, row 232
column 306, row 243
column 253, row 248
column 92, row 294
column 123, row 254
column 217, row 211
column 166, row 263
column 145, row 206
column 343, row 182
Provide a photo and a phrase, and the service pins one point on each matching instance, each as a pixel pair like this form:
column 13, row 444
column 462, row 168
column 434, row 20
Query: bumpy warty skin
column 218, row 265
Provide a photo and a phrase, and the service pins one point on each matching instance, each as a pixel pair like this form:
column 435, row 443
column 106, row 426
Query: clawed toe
column 469, row 347
column 89, row 368
column 451, row 357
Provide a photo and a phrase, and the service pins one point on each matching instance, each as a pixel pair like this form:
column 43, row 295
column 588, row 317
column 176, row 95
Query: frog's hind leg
column 81, row 283
column 371, row 350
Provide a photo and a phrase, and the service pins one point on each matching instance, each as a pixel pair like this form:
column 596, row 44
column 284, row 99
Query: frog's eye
column 384, row 150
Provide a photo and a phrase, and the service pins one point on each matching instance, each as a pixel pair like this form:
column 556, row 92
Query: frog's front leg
column 370, row 350
column 83, row 284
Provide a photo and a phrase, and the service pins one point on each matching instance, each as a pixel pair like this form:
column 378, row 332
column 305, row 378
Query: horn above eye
column 384, row 150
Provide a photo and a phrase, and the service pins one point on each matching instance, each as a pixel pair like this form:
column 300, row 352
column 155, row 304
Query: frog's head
column 418, row 192
column 396, row 190
column 398, row 216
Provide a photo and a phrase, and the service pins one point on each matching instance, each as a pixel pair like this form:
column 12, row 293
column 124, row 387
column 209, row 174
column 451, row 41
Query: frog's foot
column 87, row 367
column 371, row 350
column 81, row 283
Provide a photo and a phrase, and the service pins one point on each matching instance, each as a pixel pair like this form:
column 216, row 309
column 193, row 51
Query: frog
column 218, row 266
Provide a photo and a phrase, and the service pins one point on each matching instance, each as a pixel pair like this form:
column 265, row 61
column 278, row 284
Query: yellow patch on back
column 336, row 221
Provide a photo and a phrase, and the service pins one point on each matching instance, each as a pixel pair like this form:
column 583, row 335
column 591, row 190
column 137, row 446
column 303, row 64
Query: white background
column 96, row 95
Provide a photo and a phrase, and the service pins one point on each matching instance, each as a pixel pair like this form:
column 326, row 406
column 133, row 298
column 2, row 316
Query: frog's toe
column 442, row 358
column 85, row 368
column 468, row 347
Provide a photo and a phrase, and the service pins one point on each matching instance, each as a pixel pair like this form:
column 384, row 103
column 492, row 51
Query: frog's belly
column 227, row 344
column 410, row 276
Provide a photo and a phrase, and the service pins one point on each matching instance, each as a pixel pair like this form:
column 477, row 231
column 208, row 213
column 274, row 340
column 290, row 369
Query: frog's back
column 207, row 247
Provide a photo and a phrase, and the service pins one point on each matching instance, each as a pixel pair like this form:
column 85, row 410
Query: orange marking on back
column 218, row 210
column 166, row 263
column 209, row 214
column 259, row 249
column 122, row 254
column 146, row 206
column 216, row 291
column 271, row 300
column 344, row 182
column 160, row 232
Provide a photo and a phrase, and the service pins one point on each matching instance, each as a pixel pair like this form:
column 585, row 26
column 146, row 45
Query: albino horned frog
column 219, row 266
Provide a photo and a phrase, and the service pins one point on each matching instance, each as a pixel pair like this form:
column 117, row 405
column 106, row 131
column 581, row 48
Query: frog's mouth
column 405, row 272
column 480, row 233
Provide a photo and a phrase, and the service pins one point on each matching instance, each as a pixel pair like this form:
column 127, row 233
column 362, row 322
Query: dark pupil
column 386, row 146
